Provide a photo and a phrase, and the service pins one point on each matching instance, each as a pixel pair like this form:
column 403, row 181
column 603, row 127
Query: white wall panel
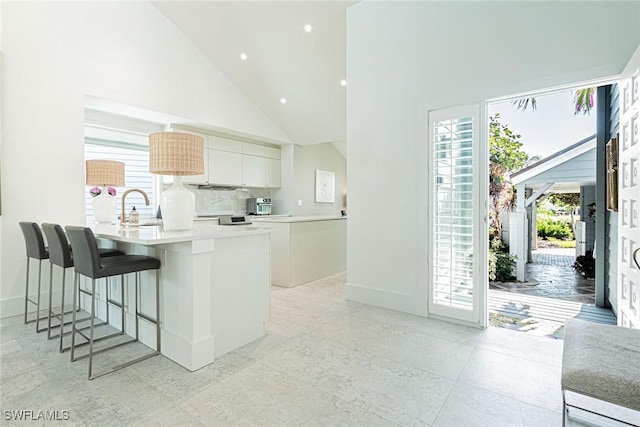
column 405, row 59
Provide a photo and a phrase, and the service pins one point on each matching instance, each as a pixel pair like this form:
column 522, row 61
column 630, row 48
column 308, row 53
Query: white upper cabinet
column 202, row 178
column 233, row 163
column 222, row 144
column 272, row 153
column 225, row 167
column 254, row 171
column 254, row 149
column 273, row 173
column 260, row 166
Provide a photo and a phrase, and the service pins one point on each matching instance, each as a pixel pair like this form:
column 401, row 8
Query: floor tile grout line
column 444, row 402
column 508, row 396
column 495, row 392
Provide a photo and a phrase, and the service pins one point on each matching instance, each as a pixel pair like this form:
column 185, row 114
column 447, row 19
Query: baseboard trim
column 386, row 299
column 10, row 307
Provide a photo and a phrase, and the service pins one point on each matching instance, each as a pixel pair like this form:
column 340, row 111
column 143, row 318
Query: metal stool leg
column 93, row 313
column 50, row 301
column 76, row 284
column 38, row 299
column 64, row 271
column 26, row 293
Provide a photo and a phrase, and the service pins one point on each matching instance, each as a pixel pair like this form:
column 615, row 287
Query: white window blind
column 452, row 210
column 136, row 160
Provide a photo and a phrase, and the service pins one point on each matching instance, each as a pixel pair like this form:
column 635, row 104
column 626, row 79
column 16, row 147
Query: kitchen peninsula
column 214, row 285
column 305, row 248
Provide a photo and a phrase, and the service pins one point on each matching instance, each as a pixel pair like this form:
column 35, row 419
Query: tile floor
column 323, row 362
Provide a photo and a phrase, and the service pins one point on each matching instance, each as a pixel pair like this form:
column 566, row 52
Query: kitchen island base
column 214, row 294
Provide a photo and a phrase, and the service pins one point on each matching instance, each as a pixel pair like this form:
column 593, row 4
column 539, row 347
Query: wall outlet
column 299, row 202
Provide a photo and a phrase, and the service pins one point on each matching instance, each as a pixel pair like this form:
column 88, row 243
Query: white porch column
column 534, row 228
column 521, row 231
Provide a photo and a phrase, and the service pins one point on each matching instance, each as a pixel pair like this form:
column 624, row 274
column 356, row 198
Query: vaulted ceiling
column 284, row 61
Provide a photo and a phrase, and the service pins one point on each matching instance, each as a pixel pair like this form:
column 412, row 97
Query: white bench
column 601, row 372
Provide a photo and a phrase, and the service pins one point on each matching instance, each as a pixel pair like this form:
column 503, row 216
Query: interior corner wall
column 282, row 198
column 405, row 59
column 55, row 54
column 308, row 158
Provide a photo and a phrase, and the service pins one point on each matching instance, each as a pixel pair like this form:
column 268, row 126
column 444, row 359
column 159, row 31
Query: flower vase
column 104, row 207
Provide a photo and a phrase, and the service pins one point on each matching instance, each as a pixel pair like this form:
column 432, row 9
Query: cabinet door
column 254, row 171
column 272, row 153
column 196, row 179
column 273, row 173
column 202, row 178
column 225, row 168
column 253, row 149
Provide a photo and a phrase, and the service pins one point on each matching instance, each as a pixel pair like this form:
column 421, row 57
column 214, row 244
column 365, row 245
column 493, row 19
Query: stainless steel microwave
column 258, row 206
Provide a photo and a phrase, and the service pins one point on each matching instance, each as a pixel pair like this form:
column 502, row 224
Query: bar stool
column 88, row 263
column 35, row 249
column 60, row 255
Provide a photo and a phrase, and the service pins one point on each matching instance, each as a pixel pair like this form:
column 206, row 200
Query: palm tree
column 582, row 101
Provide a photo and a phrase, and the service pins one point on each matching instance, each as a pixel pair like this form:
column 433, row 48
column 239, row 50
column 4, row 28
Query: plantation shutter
column 136, row 160
column 458, row 248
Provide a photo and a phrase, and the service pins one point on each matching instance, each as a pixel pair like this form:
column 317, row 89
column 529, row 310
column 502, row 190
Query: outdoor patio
column 551, row 275
column 554, row 292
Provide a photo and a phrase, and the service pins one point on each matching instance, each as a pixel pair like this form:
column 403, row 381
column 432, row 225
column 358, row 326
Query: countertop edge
column 298, row 219
column 185, row 236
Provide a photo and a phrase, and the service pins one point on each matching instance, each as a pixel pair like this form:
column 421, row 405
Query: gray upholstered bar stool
column 60, row 255
column 88, row 263
column 35, row 249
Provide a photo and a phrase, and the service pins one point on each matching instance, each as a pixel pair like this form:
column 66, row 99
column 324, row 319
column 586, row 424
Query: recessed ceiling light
column 283, row 100
column 308, row 28
column 343, row 82
column 243, row 56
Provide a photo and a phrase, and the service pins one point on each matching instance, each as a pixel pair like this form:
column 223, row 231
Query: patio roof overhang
column 563, row 172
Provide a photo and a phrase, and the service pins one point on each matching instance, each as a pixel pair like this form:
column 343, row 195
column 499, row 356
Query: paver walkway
column 551, row 275
column 553, row 293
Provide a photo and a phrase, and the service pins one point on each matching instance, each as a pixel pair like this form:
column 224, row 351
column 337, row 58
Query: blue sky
column 550, row 128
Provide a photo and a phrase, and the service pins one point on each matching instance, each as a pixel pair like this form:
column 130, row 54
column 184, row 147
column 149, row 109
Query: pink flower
column 95, row 191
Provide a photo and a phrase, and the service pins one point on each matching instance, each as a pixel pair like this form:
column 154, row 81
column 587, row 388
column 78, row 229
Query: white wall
column 307, row 159
column 282, row 197
column 405, row 59
column 299, row 163
column 55, row 53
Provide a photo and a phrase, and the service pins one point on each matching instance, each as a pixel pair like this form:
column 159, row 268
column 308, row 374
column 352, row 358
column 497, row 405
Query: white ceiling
column 283, row 59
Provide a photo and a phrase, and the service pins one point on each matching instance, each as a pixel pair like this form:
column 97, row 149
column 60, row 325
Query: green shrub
column 501, row 264
column 586, row 265
column 554, row 229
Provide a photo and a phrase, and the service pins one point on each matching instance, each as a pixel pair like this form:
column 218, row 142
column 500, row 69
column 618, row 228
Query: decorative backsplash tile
column 225, row 202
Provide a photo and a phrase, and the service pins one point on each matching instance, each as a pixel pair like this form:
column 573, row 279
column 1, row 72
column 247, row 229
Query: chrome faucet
column 124, row 195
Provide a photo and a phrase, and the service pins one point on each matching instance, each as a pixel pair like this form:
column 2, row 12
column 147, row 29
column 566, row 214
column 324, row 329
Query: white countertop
column 155, row 235
column 297, row 218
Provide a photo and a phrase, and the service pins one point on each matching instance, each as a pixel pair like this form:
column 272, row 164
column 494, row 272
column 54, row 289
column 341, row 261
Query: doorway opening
column 544, row 215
